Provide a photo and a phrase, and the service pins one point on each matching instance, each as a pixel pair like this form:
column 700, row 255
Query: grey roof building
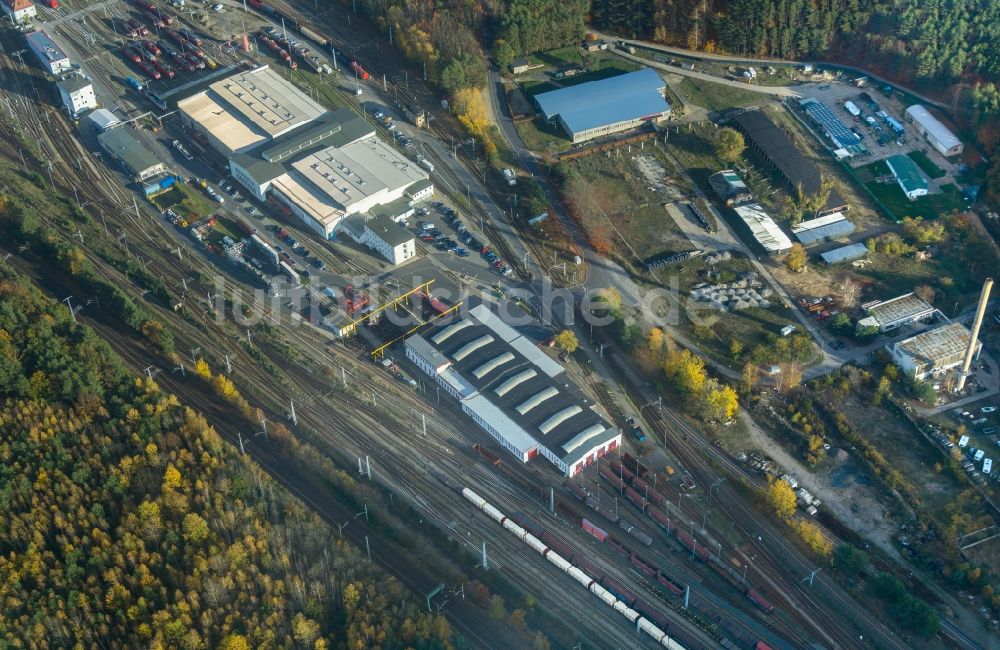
column 513, row 390
column 122, row 145
column 776, row 149
column 935, row 351
column 898, row 311
column 847, row 253
column 596, row 108
column 829, row 226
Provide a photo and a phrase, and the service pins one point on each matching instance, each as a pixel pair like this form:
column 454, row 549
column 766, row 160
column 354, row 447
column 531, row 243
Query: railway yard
column 677, row 561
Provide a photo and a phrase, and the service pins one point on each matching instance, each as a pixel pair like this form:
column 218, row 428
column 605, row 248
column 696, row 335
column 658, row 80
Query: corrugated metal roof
column 941, row 133
column 764, row 229
column 472, row 346
column 845, row 253
column 900, row 308
column 825, row 227
column 560, row 417
column 444, row 334
column 937, row 344
column 606, row 101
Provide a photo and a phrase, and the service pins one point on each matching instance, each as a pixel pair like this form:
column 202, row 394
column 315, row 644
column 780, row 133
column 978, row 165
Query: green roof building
column 907, row 175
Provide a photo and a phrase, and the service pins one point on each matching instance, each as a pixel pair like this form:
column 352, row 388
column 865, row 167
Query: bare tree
column 926, row 292
column 850, row 291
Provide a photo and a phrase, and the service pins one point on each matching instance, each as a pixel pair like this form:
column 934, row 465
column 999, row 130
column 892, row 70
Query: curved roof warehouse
column 513, row 390
column 596, row 108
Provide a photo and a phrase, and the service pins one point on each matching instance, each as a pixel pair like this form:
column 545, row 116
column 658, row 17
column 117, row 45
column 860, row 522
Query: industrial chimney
column 970, row 352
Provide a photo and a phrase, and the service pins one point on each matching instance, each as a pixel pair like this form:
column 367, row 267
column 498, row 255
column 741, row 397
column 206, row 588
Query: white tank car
column 494, row 514
column 580, row 576
column 473, row 497
column 535, row 543
column 512, row 526
column 558, row 560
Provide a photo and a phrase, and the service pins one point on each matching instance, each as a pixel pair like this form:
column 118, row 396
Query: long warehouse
column 513, row 390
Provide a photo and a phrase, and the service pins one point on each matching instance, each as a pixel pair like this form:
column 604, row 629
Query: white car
column 217, row 7
column 988, row 409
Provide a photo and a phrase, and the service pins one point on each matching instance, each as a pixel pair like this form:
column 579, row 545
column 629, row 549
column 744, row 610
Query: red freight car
column 636, row 498
column 577, row 491
column 619, row 590
column 646, row 490
column 654, row 616
column 488, row 455
column 644, row 566
column 621, row 471
column 358, row 70
column 671, row 585
column 762, row 646
column 661, row 518
column 619, row 548
column 760, row 601
column 557, row 545
column 593, row 529
column 611, row 477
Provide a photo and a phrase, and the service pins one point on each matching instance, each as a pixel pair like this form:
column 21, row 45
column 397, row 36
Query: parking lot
column 880, row 140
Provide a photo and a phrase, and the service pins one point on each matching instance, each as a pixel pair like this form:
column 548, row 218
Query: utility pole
column 486, row 559
column 552, row 500
column 810, row 577
column 291, row 415
column 368, row 548
column 229, row 365
column 687, row 596
column 423, row 419
column 239, row 436
column 72, row 311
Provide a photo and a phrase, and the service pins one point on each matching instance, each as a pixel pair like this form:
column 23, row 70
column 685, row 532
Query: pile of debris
column 741, row 294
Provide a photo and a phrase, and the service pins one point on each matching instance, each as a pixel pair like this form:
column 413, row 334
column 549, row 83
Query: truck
column 622, row 45
column 638, row 434
column 508, row 174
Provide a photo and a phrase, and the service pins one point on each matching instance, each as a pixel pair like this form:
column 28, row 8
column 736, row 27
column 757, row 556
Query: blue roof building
column 596, row 108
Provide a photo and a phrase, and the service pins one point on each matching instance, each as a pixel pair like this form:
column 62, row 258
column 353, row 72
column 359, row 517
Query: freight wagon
column 313, row 36
column 557, row 545
column 487, row 455
column 611, row 477
column 576, row 490
column 594, row 529
column 670, row 584
column 619, row 590
column 621, row 471
column 764, row 604
column 359, row 71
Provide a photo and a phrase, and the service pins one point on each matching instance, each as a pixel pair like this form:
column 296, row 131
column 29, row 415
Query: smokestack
column 970, row 352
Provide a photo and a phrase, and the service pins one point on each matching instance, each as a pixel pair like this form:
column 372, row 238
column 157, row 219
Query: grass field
column 717, row 97
column 925, row 163
column 603, row 69
column 611, row 198
column 186, row 201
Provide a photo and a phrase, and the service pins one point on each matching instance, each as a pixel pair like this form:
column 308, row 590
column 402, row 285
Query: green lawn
column 717, row 97
column 931, row 206
column 925, row 163
column 558, row 58
column 186, row 200
column 541, row 137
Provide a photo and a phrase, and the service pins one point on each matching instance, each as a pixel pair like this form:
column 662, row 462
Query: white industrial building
column 53, row 59
column 103, row 119
column 513, row 390
column 937, row 134
column 321, row 166
column 763, row 229
column 19, row 10
column 935, row 352
column 248, row 109
column 77, row 94
column 896, row 312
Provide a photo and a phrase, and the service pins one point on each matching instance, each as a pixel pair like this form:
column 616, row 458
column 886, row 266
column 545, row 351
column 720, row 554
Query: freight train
column 613, row 593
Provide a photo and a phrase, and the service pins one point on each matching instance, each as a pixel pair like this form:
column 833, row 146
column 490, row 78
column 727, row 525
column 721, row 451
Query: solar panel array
column 841, row 135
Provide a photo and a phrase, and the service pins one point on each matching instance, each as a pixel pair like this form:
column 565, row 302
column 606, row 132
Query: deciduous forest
column 128, row 523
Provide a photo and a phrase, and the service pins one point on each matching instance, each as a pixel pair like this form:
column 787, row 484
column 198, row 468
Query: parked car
column 988, row 409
